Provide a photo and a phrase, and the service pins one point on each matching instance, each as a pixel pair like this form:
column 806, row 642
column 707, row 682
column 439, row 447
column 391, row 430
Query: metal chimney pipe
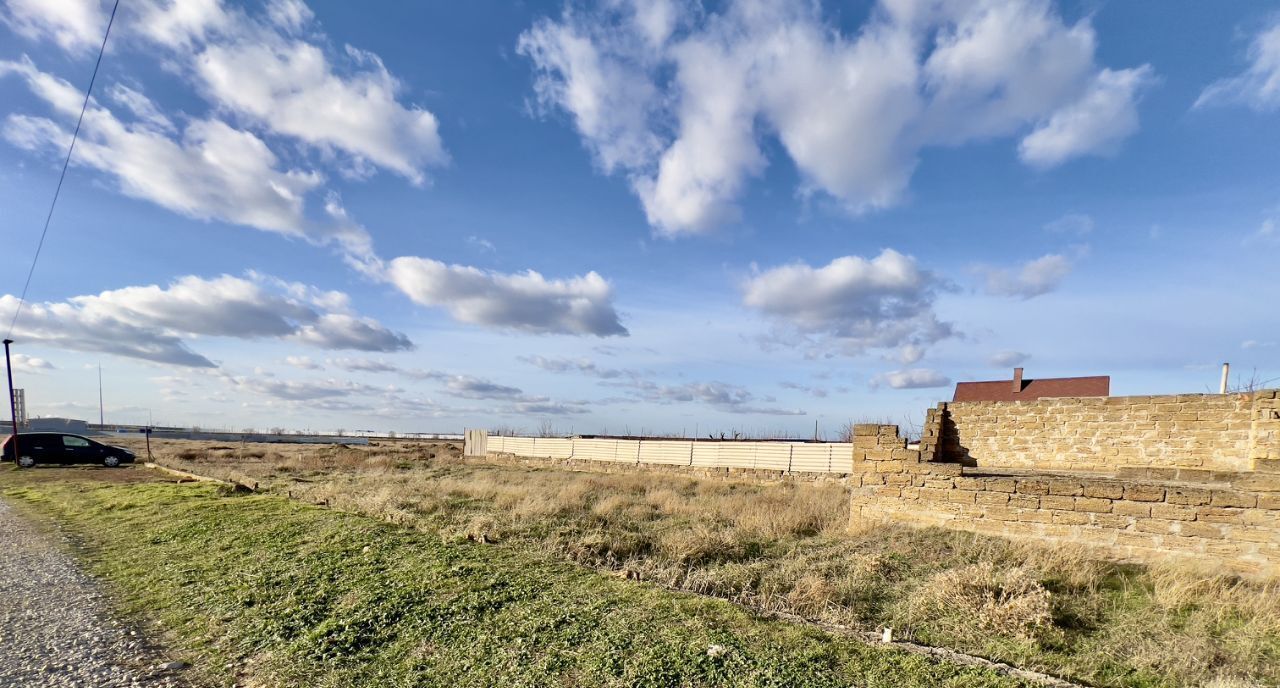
column 1226, row 370
column 1017, row 380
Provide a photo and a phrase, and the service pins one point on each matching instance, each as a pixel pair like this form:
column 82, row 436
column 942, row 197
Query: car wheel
column 26, row 461
column 111, row 461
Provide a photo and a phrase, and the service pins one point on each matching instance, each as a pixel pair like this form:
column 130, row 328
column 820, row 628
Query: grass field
column 261, row 590
column 786, row 548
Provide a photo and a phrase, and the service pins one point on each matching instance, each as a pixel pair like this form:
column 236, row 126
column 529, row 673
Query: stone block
column 1093, row 505
column 1269, row 501
column 1033, row 486
column 1144, row 493
column 961, row 496
column 998, row 484
column 1156, row 526
column 930, row 494
column 1021, row 501
column 1103, row 489
column 1259, row 482
column 1218, row 514
column 1235, row 499
column 1070, row 518
column 1173, row 513
column 1187, row 496
column 1057, row 502
column 1126, row 508
column 993, row 498
column 1113, row 521
column 939, row 483
column 1065, row 487
column 1201, row 530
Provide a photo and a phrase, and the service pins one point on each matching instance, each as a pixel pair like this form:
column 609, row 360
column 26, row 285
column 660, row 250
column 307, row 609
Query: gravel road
column 56, row 627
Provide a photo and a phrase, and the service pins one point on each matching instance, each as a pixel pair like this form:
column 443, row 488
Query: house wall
column 1222, row 432
column 1220, row 525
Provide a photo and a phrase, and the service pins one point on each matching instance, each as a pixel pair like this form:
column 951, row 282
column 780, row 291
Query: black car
column 60, row 447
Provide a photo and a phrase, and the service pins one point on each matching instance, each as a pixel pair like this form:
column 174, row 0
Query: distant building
column 70, row 425
column 1022, row 389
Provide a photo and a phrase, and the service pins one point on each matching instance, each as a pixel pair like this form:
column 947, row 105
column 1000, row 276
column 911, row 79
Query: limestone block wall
column 1222, row 432
column 1231, row 525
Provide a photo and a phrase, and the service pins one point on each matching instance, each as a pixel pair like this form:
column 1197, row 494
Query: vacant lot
column 785, row 548
column 261, row 590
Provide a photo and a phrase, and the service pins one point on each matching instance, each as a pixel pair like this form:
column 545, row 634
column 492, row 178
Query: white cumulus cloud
column 524, row 301
column 911, row 378
column 853, row 303
column 1034, row 278
column 1258, row 87
column 679, row 99
column 153, row 323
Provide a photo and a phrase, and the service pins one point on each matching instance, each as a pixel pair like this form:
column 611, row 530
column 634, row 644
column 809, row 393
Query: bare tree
column 1253, row 384
column 546, row 429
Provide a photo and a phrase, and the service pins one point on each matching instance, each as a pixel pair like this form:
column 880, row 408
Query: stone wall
column 1221, row 432
column 1230, row 521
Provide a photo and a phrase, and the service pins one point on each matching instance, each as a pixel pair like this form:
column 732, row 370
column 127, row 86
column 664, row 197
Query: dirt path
column 56, row 628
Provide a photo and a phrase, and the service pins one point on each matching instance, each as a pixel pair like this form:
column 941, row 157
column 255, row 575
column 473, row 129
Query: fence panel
column 811, row 458
column 774, row 456
column 833, row 457
column 553, row 447
column 842, row 457
column 628, row 451
column 595, row 450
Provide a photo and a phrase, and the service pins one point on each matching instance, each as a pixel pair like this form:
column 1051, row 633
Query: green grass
column 289, row 594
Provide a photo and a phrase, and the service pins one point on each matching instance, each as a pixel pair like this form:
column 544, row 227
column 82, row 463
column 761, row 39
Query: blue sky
column 656, row 217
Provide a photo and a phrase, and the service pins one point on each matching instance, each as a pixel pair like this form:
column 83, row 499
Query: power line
column 65, row 163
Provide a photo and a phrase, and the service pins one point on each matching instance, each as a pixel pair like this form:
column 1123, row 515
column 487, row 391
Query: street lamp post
column 13, row 408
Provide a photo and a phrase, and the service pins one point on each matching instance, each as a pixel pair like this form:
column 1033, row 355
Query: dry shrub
column 788, row 513
column 981, row 598
column 701, row 545
column 608, row 548
column 811, row 595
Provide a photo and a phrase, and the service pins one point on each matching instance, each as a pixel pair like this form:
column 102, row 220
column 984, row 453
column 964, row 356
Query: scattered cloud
column 371, row 365
column 30, row 364
column 1034, row 278
column 1008, row 359
column 1258, row 87
column 811, row 390
column 852, row 304
column 276, row 71
column 524, row 301
column 718, row 395
column 482, row 244
column 301, row 390
column 274, row 75
column 1077, row 224
column 585, row 366
column 75, row 25
column 1097, row 124
column 303, row 363
column 153, row 323
column 1268, row 233
column 1255, row 344
column 212, row 171
column 912, row 378
column 677, row 98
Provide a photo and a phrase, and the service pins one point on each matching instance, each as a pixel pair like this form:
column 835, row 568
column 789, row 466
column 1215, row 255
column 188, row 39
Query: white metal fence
column 807, row 457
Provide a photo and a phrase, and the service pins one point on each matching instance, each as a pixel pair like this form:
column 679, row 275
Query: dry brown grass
column 786, row 547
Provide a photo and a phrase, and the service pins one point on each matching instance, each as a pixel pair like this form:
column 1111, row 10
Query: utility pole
column 101, row 416
column 12, row 406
